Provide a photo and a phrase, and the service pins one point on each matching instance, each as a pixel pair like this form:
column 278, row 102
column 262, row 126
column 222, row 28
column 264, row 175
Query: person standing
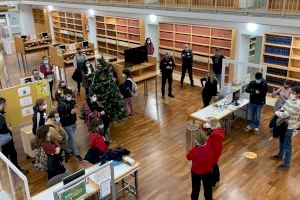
column 167, row 66
column 126, row 91
column 150, row 47
column 217, row 61
column 7, row 142
column 187, row 64
column 79, row 63
column 47, row 70
column 202, row 163
column 210, row 88
column 283, row 93
column 258, row 90
column 39, row 115
column 62, row 85
column 67, row 111
column 290, row 111
column 87, row 76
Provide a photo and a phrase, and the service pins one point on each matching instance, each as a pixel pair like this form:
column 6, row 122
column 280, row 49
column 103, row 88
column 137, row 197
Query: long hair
column 41, row 135
column 38, row 103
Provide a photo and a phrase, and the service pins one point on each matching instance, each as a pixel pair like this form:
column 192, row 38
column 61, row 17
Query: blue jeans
column 70, row 130
column 285, row 147
column 255, row 112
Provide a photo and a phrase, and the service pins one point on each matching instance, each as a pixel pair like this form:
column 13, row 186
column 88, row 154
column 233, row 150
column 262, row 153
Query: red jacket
column 49, row 147
column 216, row 140
column 43, row 70
column 202, row 159
column 97, row 142
column 150, row 49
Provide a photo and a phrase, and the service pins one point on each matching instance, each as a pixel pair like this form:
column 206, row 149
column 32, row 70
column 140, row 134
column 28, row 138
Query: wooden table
column 121, row 172
column 220, row 113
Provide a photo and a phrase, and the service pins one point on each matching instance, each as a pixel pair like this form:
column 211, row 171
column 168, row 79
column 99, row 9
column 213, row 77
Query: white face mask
column 45, row 106
column 258, row 81
column 94, row 99
column 293, row 97
column 46, row 62
column 101, row 126
column 124, row 76
column 69, row 98
column 57, row 119
column 206, row 125
column 148, row 42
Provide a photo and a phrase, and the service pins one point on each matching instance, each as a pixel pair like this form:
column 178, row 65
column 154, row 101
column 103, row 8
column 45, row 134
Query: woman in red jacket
column 47, row 70
column 150, row 47
column 202, row 163
column 216, row 139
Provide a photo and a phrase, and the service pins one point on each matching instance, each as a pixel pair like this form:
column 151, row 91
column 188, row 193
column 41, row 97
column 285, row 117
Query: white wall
column 92, row 30
column 26, row 20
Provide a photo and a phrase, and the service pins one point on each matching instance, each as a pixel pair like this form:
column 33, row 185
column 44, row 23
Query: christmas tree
column 107, row 91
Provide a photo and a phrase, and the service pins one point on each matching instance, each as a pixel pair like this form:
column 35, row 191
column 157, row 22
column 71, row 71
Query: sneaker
column 163, row 97
column 181, row 84
column 78, row 158
column 131, row 114
column 276, row 157
column 282, row 167
column 248, row 128
column 192, row 85
column 256, row 130
column 171, row 95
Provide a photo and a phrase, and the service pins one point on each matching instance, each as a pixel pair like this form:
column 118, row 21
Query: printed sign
column 42, row 89
column 24, row 91
column 75, row 192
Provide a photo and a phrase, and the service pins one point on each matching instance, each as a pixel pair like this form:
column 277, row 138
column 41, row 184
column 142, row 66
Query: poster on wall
column 42, row 89
column 24, row 91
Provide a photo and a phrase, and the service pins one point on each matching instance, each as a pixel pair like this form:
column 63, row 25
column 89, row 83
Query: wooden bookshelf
column 63, row 58
column 115, row 34
column 278, row 5
column 227, row 4
column 41, row 20
column 69, row 27
column 281, row 55
column 203, row 40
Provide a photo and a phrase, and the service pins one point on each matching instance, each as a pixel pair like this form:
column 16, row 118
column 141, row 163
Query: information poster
column 27, row 111
column 42, row 89
column 75, row 192
column 26, row 101
column 24, row 91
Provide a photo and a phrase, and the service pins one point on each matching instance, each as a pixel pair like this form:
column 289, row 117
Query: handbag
column 5, row 138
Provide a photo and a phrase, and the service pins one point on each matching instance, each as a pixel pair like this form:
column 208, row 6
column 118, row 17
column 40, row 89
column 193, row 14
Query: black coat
column 187, row 56
column 167, row 66
column 262, row 87
column 38, row 119
column 3, row 125
column 64, row 110
column 210, row 88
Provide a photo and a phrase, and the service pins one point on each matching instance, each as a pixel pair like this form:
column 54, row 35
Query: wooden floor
column 156, row 138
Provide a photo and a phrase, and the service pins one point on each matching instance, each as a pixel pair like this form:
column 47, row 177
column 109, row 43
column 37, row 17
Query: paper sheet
column 105, row 189
column 24, row 91
column 27, row 111
column 26, row 101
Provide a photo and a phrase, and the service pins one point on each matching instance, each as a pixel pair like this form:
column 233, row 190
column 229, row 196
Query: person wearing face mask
column 283, row 94
column 79, row 64
column 36, row 76
column 258, row 90
column 210, row 88
column 98, row 143
column 187, row 64
column 150, row 47
column 39, row 115
column 126, row 91
column 290, row 111
column 167, row 66
column 62, row 85
column 67, row 111
column 56, row 131
column 87, row 76
column 217, row 61
column 8, row 146
column 47, row 70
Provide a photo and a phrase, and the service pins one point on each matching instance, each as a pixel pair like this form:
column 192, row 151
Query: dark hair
column 127, row 73
column 41, row 134
column 68, row 91
column 44, row 57
column 2, row 100
column 296, row 89
column 39, row 102
column 147, row 39
column 35, row 70
column 287, row 82
column 94, row 125
column 258, row 75
column 52, row 114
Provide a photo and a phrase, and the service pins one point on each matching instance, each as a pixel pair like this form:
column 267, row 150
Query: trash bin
column 28, row 140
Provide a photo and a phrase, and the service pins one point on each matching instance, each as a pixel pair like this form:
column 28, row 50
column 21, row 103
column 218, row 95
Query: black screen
column 44, row 34
column 135, row 56
column 73, row 176
column 62, row 47
column 236, row 96
column 85, row 44
column 23, row 36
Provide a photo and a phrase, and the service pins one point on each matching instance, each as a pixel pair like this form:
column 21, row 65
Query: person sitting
column 39, row 114
column 216, row 138
column 57, row 133
column 210, row 88
column 52, row 150
column 202, row 164
column 36, row 75
column 98, row 144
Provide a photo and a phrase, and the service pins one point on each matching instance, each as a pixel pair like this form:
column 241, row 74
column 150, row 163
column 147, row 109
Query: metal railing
column 284, row 8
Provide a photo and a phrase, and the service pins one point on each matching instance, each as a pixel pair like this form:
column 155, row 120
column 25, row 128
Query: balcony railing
column 282, row 8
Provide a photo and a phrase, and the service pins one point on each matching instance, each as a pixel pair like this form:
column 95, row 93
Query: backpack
column 134, row 88
column 40, row 163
